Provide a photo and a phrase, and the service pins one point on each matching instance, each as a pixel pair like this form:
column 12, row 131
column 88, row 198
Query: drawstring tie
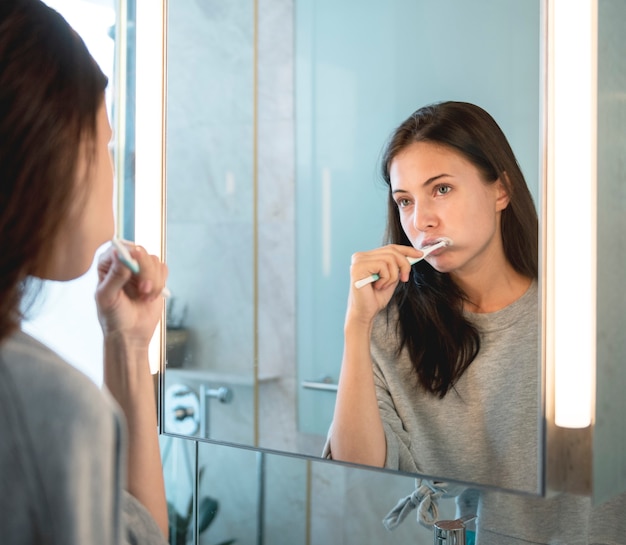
column 425, row 498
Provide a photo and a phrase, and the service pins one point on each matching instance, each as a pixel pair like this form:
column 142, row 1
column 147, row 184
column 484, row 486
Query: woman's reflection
column 440, row 373
column 441, row 358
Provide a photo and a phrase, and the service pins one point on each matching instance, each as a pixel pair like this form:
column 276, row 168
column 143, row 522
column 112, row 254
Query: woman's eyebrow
column 428, row 182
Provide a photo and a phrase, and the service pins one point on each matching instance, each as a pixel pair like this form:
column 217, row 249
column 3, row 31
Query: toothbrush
column 443, row 242
column 127, row 260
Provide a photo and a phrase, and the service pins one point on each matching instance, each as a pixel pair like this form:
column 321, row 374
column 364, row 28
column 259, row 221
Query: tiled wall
column 269, row 499
column 230, row 189
column 211, row 232
column 231, row 161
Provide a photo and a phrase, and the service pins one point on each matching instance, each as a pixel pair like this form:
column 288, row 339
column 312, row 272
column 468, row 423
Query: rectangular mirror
column 277, row 112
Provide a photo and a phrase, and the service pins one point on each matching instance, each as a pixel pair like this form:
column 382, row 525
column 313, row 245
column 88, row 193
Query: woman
column 440, row 374
column 77, row 465
column 426, row 384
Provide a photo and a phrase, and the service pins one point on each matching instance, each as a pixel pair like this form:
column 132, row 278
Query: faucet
column 452, row 532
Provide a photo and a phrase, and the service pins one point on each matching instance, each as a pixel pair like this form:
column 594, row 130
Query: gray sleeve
column 140, row 527
column 398, row 441
column 399, row 455
column 94, row 486
column 63, row 444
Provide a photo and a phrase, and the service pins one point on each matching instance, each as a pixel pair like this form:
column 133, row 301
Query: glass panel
column 609, row 434
column 355, row 83
column 180, row 475
column 210, row 211
column 261, row 226
column 253, row 497
column 229, row 483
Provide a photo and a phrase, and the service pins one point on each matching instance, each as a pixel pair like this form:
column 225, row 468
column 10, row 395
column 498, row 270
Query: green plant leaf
column 178, row 525
column 207, row 511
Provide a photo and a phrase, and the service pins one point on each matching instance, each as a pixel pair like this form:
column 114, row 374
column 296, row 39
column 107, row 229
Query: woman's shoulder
column 62, row 441
column 42, row 386
column 25, row 358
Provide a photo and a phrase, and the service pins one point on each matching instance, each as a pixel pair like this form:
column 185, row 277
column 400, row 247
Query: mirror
column 277, row 113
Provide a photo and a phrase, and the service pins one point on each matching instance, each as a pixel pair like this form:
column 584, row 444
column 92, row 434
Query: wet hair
column 50, row 91
column 440, row 341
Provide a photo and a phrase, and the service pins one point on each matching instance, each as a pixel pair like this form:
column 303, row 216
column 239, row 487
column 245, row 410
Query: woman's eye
column 402, row 203
column 443, row 189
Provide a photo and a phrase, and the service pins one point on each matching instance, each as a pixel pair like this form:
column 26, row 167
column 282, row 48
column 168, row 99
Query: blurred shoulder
column 43, row 386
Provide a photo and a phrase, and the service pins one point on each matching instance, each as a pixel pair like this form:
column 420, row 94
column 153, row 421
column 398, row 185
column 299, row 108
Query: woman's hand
column 129, row 308
column 390, row 263
column 130, row 304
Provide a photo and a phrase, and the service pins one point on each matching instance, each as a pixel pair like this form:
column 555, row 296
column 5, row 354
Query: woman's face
column 439, row 193
column 91, row 222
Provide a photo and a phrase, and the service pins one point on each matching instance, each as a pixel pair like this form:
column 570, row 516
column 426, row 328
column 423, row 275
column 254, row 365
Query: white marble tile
column 211, row 272
column 210, row 174
column 276, row 171
column 210, row 61
column 230, row 476
column 277, row 415
column 276, row 59
column 285, row 500
column 328, row 504
column 277, row 299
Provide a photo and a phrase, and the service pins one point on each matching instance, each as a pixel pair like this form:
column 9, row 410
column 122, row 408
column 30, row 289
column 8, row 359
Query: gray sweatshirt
column 62, row 456
column 487, row 430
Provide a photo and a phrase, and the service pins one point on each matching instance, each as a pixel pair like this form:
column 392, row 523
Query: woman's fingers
column 113, row 276
column 150, row 281
column 140, row 275
column 390, row 263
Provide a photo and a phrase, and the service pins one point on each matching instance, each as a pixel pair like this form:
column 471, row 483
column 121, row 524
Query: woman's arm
column 129, row 308
column 357, row 432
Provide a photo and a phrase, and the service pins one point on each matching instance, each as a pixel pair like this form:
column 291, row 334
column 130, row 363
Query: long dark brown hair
column 441, row 342
column 50, row 92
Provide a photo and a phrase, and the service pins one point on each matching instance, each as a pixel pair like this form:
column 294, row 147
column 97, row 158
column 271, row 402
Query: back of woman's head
column 50, row 92
column 472, row 132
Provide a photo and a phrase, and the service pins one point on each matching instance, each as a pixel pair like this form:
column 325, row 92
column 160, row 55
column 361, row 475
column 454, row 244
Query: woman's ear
column 502, row 192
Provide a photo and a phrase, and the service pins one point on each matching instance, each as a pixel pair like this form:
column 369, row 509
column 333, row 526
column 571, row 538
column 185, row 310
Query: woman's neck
column 494, row 290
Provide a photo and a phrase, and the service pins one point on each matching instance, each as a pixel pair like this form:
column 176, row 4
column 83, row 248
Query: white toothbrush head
column 445, row 240
column 441, row 243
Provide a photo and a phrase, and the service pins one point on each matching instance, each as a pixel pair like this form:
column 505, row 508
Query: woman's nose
column 423, row 217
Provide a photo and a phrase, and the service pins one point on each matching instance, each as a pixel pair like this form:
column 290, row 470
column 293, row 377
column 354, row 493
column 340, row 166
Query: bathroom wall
column 268, row 499
column 213, row 186
column 230, row 211
column 609, row 440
